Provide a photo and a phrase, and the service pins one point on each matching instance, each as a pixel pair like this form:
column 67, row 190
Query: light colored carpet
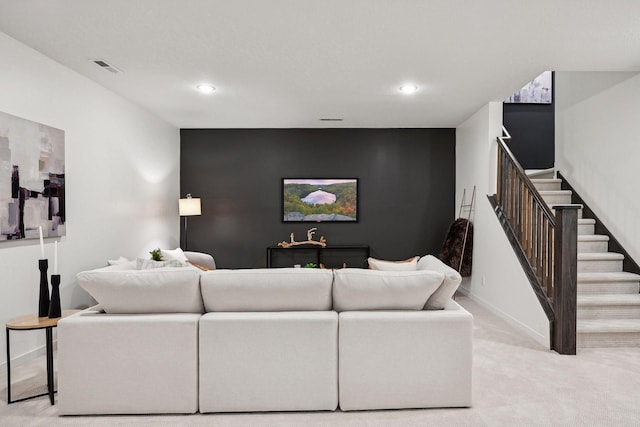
column 515, row 382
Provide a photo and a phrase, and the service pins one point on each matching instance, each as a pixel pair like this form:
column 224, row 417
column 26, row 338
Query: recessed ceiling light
column 408, row 89
column 206, row 88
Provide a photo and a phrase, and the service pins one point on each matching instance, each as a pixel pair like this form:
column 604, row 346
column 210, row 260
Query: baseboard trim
column 26, row 357
column 539, row 338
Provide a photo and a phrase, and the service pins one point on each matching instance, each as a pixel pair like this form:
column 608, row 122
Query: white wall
column 122, row 181
column 497, row 281
column 598, row 146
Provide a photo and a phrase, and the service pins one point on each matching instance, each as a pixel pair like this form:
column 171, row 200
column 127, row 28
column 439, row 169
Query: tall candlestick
column 41, row 243
column 55, row 257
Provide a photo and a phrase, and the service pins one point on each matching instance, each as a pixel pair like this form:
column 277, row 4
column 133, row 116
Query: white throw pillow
column 177, row 254
column 406, row 265
column 271, row 289
column 166, row 290
column 121, row 260
column 452, row 280
column 361, row 289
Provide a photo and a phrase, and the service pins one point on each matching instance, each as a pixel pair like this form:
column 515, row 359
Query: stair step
column 599, row 262
column 609, row 306
column 586, row 226
column 556, row 197
column 608, row 333
column 545, row 184
column 620, row 282
column 593, row 243
column 540, row 173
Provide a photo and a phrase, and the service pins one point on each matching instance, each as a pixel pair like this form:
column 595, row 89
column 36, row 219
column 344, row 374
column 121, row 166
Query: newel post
column 565, row 278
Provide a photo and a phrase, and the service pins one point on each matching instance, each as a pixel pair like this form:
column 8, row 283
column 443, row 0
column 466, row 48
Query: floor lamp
column 188, row 207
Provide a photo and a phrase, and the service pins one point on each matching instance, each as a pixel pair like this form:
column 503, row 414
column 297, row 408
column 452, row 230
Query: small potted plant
column 156, row 255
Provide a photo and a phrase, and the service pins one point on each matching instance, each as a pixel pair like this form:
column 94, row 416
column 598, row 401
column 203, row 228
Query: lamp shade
column 189, row 207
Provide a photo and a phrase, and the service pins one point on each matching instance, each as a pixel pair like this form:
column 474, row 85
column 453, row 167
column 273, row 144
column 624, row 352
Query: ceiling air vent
column 105, row 65
column 330, row 119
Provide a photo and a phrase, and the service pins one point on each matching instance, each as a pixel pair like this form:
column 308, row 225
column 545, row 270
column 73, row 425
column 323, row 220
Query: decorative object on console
column 319, row 200
column 310, row 232
column 405, row 265
column 189, row 207
column 34, row 156
column 311, row 265
column 43, row 303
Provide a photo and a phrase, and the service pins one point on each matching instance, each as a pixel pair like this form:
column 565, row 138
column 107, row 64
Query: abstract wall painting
column 537, row 91
column 32, row 182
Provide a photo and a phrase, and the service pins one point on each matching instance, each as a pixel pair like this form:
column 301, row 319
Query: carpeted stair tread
column 546, row 180
column 555, row 193
column 603, row 326
column 600, row 256
column 586, row 221
column 608, row 300
column 613, row 276
column 592, row 238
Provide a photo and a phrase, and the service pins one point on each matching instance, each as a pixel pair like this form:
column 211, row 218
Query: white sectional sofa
column 266, row 340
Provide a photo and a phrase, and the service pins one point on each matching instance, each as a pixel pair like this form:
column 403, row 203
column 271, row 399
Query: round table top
column 32, row 321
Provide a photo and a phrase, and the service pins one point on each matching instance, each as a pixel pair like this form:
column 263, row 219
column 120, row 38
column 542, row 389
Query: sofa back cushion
column 359, row 289
column 452, row 280
column 162, row 290
column 276, row 289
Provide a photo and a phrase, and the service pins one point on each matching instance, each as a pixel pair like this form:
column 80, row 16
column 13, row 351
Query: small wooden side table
column 32, row 322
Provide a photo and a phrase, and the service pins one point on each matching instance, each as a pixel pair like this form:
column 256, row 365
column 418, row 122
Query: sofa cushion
column 445, row 291
column 360, row 289
column 163, row 290
column 405, row 265
column 274, row 289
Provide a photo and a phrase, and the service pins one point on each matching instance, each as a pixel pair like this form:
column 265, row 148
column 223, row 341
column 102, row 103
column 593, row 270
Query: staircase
column 608, row 302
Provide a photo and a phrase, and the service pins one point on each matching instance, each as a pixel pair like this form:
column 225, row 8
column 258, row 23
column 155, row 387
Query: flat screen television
column 319, row 200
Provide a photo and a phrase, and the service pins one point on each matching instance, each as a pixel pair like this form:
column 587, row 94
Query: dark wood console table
column 329, row 256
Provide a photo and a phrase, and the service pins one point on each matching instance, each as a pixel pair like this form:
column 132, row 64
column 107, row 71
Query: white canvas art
column 32, row 187
column 538, row 91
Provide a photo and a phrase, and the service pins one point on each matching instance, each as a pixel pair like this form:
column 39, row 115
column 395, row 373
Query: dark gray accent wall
column 406, row 188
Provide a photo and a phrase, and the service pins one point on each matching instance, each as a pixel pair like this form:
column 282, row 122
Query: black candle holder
column 54, row 305
column 43, row 304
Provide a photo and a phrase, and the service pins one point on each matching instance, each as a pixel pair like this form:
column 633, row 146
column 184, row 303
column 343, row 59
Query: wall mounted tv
column 319, row 200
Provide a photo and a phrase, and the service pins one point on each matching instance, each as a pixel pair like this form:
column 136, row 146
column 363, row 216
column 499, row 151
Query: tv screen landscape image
column 320, row 200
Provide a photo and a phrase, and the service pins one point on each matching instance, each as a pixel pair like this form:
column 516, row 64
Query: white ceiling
column 288, row 63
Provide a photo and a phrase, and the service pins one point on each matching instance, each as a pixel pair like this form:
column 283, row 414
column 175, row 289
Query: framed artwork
column 32, row 186
column 538, row 91
column 319, row 200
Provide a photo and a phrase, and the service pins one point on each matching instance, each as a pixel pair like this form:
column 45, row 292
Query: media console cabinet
column 329, row 256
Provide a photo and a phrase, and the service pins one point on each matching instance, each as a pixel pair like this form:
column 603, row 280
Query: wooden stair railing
column 545, row 243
